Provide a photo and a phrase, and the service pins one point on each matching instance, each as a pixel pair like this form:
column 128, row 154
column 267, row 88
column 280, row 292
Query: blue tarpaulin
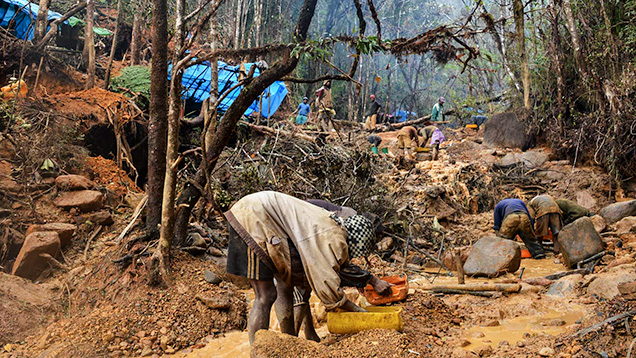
column 402, row 115
column 23, row 13
column 196, row 88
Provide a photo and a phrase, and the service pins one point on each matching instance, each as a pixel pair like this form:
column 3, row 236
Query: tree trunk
column 53, row 26
column 113, row 46
column 517, row 6
column 41, row 20
column 191, row 194
column 576, row 40
column 237, row 23
column 89, row 44
column 136, row 37
column 157, row 129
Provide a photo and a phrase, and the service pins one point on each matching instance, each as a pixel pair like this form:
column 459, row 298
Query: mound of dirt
column 24, row 306
column 116, row 313
column 94, row 104
column 106, row 173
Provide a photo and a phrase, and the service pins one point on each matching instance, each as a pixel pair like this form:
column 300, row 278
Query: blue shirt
column 507, row 207
column 303, row 109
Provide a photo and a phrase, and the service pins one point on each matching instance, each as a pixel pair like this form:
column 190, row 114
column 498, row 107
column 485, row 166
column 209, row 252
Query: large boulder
column 63, row 230
column 85, row 200
column 565, row 286
column 614, row 212
column 579, row 241
column 606, row 285
column 493, row 256
column 625, row 225
column 29, row 263
column 507, row 131
column 73, row 182
column 599, row 223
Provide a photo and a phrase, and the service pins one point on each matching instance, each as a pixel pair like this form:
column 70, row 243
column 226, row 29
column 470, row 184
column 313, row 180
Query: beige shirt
column 271, row 218
column 542, row 205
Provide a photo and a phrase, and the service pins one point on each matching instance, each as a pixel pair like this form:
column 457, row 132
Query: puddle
column 513, row 329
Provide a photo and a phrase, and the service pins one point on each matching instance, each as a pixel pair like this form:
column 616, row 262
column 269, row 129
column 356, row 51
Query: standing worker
column 405, row 137
column 324, row 106
column 303, row 111
column 276, row 236
column 372, row 114
column 437, row 115
column 512, row 218
column 547, row 215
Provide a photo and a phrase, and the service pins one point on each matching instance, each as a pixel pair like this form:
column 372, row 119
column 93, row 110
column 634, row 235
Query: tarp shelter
column 403, row 115
column 23, row 13
column 197, row 83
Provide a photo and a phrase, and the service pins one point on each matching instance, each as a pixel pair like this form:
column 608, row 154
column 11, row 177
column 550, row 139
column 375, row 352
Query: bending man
column 512, row 218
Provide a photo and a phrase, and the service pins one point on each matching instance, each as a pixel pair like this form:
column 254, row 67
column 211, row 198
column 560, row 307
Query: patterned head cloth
column 360, row 238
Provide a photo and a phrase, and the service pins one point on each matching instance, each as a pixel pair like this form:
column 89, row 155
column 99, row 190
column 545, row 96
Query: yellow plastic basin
column 354, row 322
column 472, row 126
column 422, row 149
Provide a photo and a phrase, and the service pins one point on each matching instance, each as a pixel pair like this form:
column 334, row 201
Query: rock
column 211, row 277
column 215, row 302
column 579, row 241
column 146, row 352
column 554, row 323
column 546, row 352
column 73, row 182
column 626, row 225
column 531, row 159
column 29, row 264
column 448, row 257
column 599, row 223
column 538, row 281
column 505, row 130
column 63, row 230
column 492, row 323
column 606, row 285
column 214, row 251
column 7, row 149
column 520, row 344
column 6, row 182
column 197, row 239
column 484, row 351
column 614, row 212
column 385, row 244
column 102, row 217
column 585, row 199
column 565, row 286
column 627, row 288
column 85, row 200
column 493, row 256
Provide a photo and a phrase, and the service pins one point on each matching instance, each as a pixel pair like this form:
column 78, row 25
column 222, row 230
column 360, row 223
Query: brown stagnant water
column 235, row 344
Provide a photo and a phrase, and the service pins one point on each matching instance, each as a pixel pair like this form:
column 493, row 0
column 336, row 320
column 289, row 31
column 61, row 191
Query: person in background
column 512, row 218
column 375, row 141
column 571, row 211
column 303, row 111
column 274, row 236
column 547, row 215
column 324, row 106
column 372, row 114
column 437, row 115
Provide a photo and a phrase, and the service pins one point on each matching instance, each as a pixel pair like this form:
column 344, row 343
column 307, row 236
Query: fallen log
column 499, row 287
column 558, row 275
column 271, row 131
column 420, row 120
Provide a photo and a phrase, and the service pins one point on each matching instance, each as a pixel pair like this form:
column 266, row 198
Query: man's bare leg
column 285, row 307
column 302, row 317
column 264, row 297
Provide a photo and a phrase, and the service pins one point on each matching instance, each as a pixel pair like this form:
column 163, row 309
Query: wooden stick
column 464, row 292
column 500, row 287
column 457, row 257
column 607, row 321
column 93, row 236
column 138, row 210
column 559, row 275
column 37, row 76
column 270, row 131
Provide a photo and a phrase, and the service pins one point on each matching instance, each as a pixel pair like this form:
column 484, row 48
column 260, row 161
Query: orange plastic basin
column 525, row 254
column 400, row 291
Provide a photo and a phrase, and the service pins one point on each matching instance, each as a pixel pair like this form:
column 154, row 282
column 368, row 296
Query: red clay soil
column 95, row 103
column 105, row 172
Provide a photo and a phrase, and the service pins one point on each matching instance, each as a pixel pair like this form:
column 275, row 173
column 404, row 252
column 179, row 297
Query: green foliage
column 370, row 45
column 135, row 79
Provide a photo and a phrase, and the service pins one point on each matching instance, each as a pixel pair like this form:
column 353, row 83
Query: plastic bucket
column 374, row 150
column 400, row 290
column 385, row 150
column 472, row 126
